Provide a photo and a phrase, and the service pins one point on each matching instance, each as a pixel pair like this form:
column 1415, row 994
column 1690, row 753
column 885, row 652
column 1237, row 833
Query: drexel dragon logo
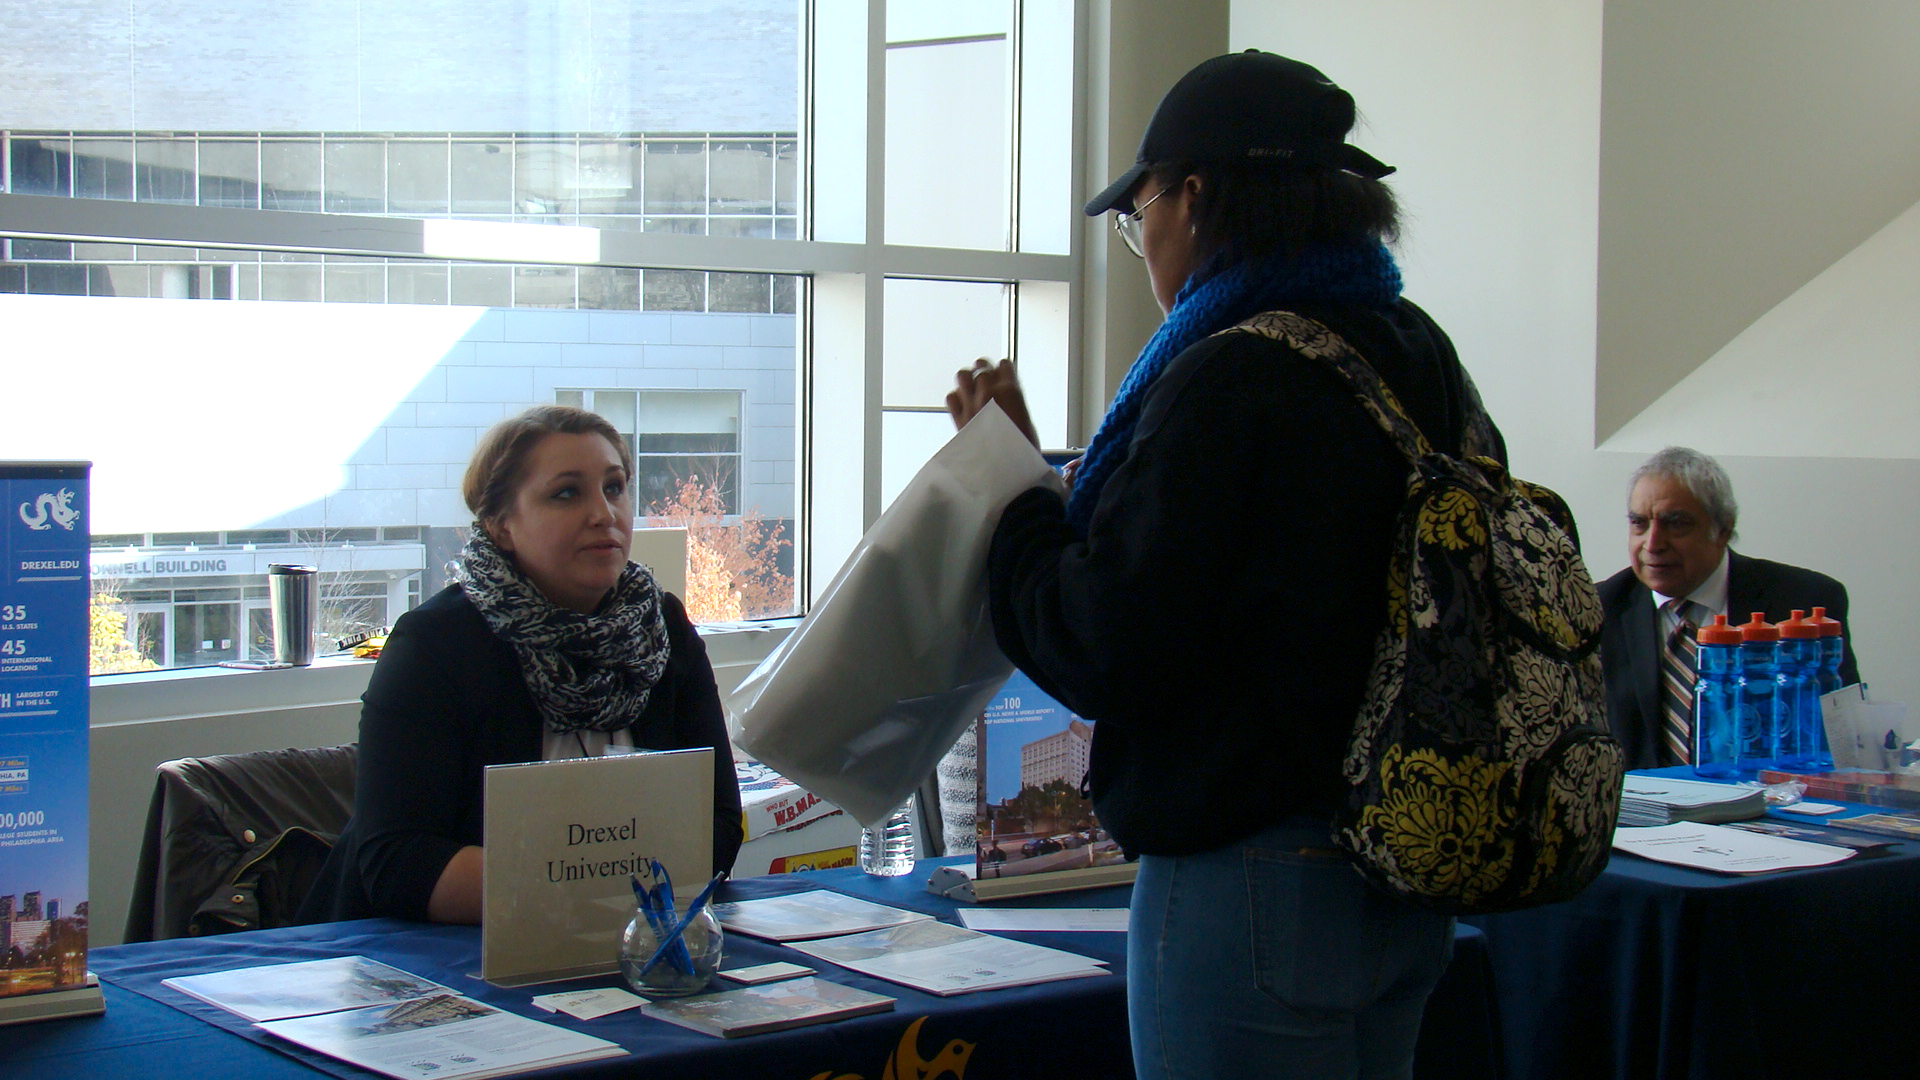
column 50, row 509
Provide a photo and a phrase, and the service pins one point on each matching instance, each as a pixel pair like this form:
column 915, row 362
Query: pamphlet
column 1723, row 850
column 943, row 959
column 278, row 991
column 440, row 1036
column 752, row 1010
column 390, row 1021
column 589, row 1004
column 1899, row 826
column 813, row 914
column 1770, row 827
column 755, row 974
column 1048, row 920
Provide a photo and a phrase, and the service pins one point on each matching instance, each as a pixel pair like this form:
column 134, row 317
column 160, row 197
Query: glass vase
column 685, row 968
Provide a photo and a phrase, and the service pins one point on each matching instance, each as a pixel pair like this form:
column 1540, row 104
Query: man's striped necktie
column 1677, row 668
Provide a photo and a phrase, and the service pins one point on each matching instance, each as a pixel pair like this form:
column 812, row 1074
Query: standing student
column 1211, row 591
column 550, row 645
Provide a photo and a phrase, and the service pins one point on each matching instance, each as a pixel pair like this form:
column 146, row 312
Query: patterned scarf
column 585, row 672
column 1216, row 297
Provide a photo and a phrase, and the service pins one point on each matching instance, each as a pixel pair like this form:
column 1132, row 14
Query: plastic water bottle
column 889, row 851
column 1803, row 734
column 1716, row 701
column 1833, row 649
column 1759, row 688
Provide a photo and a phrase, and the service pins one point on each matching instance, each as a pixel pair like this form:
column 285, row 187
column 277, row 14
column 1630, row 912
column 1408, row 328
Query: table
column 1659, row 971
column 1057, row 1030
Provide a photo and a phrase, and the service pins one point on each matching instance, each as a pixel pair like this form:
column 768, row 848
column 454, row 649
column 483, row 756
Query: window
column 488, row 212
column 681, row 438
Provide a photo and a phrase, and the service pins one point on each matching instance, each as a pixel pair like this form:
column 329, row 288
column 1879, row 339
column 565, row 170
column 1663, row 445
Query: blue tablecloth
column 1057, row 1030
column 1658, row 971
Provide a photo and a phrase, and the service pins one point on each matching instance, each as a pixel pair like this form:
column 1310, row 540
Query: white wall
column 205, row 415
column 1492, row 111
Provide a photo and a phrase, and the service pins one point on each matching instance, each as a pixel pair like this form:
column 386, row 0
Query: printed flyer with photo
column 1031, row 817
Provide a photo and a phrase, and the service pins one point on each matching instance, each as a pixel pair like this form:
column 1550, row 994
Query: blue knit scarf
column 1215, row 297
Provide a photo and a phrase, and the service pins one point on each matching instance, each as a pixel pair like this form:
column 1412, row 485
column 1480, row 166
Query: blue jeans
column 1261, row 959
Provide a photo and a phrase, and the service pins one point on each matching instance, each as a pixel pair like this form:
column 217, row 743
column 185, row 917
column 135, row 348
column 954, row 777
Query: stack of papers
column 1659, row 800
column 942, row 959
column 391, row 1022
column 818, row 913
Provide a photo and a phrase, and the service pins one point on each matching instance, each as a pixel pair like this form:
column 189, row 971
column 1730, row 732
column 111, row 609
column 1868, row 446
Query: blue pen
column 649, row 905
column 681, row 958
column 665, row 883
column 676, row 936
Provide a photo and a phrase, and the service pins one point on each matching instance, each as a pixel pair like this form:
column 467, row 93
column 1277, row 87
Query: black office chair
column 233, row 842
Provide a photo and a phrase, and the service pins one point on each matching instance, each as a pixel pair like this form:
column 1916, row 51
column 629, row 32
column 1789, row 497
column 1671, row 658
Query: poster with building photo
column 43, row 728
column 1033, row 755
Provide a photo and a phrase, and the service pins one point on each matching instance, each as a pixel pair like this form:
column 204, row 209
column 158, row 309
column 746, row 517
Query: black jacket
column 1219, row 620
column 445, row 701
column 1630, row 640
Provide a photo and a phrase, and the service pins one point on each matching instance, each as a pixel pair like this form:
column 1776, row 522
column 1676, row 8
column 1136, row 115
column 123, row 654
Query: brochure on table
column 754, row 1010
column 444, row 1036
column 563, row 841
column 279, row 991
column 388, row 1020
column 44, row 623
column 812, row 914
column 1036, row 833
column 1045, row 920
column 943, row 959
column 1724, row 850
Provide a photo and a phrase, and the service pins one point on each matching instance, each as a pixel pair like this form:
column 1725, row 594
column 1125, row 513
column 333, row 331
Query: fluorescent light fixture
column 501, row 241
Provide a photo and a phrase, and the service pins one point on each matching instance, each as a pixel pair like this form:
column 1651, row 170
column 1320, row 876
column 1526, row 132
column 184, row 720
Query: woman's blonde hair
column 501, row 455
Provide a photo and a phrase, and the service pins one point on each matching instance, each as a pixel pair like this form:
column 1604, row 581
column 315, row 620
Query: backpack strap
column 1315, row 341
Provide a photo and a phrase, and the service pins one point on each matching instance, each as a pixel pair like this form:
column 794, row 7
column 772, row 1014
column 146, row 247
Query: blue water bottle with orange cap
column 1716, row 701
column 1833, row 649
column 1796, row 707
column 1759, row 689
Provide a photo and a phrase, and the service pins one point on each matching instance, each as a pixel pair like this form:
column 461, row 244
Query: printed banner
column 43, row 727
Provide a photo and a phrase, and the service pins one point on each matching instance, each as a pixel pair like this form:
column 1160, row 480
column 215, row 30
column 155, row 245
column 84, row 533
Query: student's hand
column 987, row 381
column 1072, row 469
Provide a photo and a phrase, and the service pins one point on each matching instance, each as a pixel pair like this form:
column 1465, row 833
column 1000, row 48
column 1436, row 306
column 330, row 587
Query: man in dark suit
column 1680, row 521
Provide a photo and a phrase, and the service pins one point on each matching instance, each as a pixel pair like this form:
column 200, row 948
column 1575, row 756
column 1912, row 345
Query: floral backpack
column 1482, row 775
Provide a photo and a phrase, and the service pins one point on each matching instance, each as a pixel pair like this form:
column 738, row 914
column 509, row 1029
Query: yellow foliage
column 733, row 571
column 108, row 650
column 711, row 596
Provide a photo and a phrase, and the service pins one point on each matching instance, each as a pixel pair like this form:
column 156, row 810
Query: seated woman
column 550, row 645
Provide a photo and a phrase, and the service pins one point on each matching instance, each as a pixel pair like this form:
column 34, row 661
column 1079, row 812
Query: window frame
column 841, row 250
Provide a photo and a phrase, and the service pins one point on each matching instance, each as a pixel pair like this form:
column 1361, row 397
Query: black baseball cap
column 1248, row 106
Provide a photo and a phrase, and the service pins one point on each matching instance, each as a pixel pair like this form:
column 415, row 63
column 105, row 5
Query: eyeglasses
column 1128, row 225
